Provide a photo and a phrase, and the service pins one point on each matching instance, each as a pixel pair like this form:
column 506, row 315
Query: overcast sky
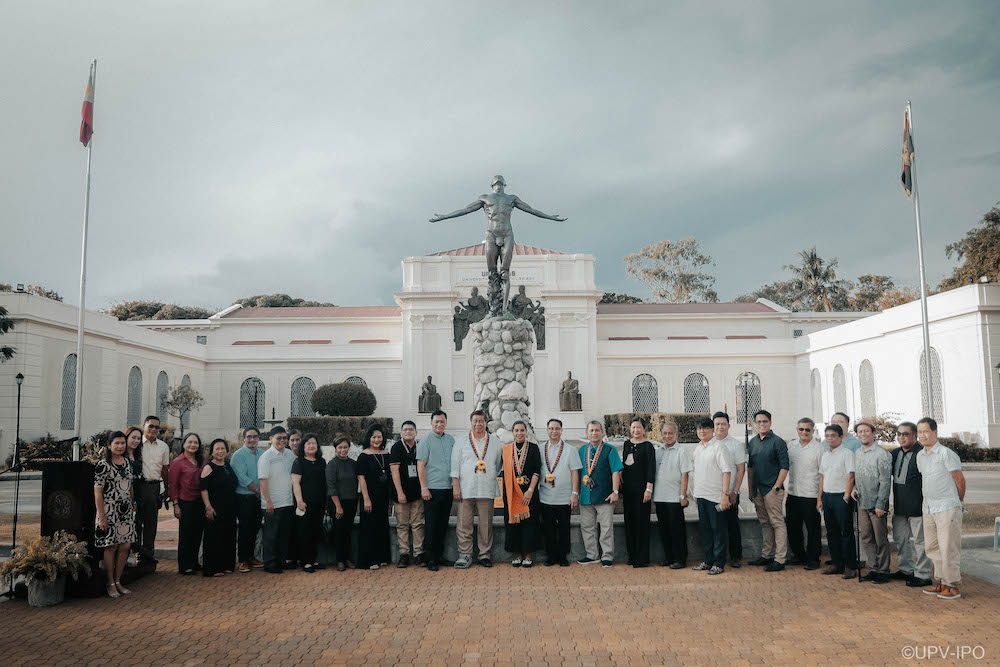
column 243, row 148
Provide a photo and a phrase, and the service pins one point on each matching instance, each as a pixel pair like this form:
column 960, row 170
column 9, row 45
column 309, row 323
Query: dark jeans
column 309, row 532
column 839, row 530
column 436, row 513
column 801, row 511
column 733, row 528
column 673, row 532
column 636, row 528
column 189, row 531
column 342, row 528
column 555, row 527
column 714, row 532
column 147, row 506
column 277, row 531
column 248, row 516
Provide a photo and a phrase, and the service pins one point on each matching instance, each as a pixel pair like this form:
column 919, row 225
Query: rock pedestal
column 502, row 361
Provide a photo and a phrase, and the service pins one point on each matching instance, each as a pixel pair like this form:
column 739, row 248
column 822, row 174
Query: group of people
column 222, row 502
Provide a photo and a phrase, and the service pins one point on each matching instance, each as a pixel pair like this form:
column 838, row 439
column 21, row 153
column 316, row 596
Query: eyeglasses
column 804, row 430
column 903, row 435
column 152, row 427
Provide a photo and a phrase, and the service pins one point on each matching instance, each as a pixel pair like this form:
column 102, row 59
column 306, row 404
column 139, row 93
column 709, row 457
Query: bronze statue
column 477, row 305
column 499, row 234
column 570, row 399
column 520, row 304
column 460, row 326
column 536, row 316
column 430, row 399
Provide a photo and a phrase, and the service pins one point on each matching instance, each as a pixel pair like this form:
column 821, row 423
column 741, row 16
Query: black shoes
column 880, row 578
column 899, row 574
column 486, row 562
column 564, row 563
column 274, row 570
column 404, row 560
column 758, row 562
column 432, row 566
column 917, row 582
column 774, row 566
column 678, row 566
column 870, row 576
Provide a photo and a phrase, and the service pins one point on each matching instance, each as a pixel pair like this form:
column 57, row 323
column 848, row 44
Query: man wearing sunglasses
column 804, row 454
column 907, row 516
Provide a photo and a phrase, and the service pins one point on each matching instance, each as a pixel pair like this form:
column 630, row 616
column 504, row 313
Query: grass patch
column 980, row 518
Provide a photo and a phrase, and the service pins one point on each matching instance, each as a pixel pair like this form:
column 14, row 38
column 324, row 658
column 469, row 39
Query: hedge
column 327, row 428
column 971, row 453
column 617, row 424
column 344, row 399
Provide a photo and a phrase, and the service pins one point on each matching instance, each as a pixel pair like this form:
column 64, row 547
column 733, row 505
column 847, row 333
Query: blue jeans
column 714, row 532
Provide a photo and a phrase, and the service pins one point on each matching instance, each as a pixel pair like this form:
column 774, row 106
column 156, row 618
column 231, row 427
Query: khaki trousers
column 467, row 509
column 874, row 532
column 771, row 515
column 592, row 516
column 410, row 521
column 943, row 541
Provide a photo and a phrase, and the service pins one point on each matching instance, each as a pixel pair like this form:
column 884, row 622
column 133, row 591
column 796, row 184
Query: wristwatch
column 683, row 497
column 575, row 493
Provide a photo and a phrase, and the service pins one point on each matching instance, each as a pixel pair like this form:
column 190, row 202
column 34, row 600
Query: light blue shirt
column 851, row 442
column 568, row 461
column 244, row 464
column 435, row 450
column 276, row 468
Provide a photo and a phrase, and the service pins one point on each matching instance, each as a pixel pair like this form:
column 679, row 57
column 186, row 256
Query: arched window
column 162, row 387
column 645, row 394
column 866, row 383
column 747, row 396
column 186, row 419
column 840, row 390
column 67, row 414
column 817, row 395
column 696, row 393
column 354, row 379
column 252, row 403
column 133, row 407
column 302, row 393
column 935, row 385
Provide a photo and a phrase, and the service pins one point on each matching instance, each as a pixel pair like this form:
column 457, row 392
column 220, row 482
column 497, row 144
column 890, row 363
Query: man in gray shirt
column 873, row 479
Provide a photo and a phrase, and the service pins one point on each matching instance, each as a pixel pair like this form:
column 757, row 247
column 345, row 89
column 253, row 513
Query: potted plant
column 44, row 563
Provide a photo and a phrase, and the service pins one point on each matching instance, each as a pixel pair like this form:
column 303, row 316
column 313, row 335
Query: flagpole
column 83, row 293
column 923, row 279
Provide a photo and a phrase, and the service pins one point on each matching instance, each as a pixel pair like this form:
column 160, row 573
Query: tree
column 6, row 324
column 876, row 292
column 673, row 271
column 277, row 301
column 979, row 252
column 174, row 312
column 782, row 292
column 615, row 297
column 817, row 283
column 37, row 290
column 182, row 400
column 344, row 399
column 157, row 310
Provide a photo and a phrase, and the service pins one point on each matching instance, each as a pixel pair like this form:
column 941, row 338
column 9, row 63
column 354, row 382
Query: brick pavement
column 503, row 616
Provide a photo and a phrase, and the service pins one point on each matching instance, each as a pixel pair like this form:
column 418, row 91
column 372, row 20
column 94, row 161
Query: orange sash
column 516, row 509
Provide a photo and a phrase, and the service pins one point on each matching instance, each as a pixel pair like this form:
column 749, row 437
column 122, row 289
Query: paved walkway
column 543, row 616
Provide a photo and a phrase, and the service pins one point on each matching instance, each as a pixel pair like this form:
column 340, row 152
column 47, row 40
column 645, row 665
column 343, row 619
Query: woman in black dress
column 309, row 486
column 373, row 476
column 342, row 485
column 218, row 492
column 638, row 476
column 522, row 465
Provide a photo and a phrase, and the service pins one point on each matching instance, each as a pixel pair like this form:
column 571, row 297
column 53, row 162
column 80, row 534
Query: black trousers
column 839, row 518
column 309, row 532
column 801, row 511
column 219, row 554
column 732, row 517
column 714, row 532
column 189, row 532
column 637, row 515
column 555, row 528
column 436, row 513
column 673, row 532
column 343, row 527
column 248, row 516
column 147, row 507
column 277, row 532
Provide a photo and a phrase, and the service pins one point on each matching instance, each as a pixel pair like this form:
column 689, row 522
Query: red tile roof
column 679, row 308
column 310, row 342
column 479, row 250
column 316, row 311
column 253, row 342
column 369, row 340
column 687, row 337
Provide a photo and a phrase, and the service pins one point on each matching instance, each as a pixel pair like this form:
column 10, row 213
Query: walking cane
column 857, row 538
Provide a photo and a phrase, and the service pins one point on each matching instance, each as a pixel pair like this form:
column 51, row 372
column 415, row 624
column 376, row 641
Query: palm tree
column 816, row 280
column 6, row 324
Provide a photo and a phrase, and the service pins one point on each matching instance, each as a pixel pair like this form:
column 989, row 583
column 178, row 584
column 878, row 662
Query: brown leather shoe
column 244, row 568
column 256, row 564
column 947, row 593
column 934, row 590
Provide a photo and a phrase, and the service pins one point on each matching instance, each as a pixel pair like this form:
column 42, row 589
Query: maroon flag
column 907, row 175
column 87, row 124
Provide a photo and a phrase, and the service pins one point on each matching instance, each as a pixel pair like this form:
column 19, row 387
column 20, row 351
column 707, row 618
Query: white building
column 252, row 363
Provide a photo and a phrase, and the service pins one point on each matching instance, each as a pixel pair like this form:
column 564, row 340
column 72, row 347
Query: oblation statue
column 570, row 399
column 498, row 206
column 430, row 399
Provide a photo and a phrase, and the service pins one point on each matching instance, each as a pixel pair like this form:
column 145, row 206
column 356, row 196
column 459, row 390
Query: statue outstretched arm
column 474, row 206
column 544, row 216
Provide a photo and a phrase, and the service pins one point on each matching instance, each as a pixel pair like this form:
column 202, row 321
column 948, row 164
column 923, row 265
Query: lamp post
column 16, row 463
column 16, row 467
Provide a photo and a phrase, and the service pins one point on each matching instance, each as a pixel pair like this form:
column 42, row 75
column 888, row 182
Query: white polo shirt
column 836, row 467
column 155, row 455
column 935, row 466
column 738, row 449
column 711, row 461
column 803, row 468
column 671, row 464
column 562, row 467
column 481, row 485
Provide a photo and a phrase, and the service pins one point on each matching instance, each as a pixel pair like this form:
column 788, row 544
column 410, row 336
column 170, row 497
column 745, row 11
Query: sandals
column 526, row 563
column 516, row 562
column 113, row 591
column 122, row 589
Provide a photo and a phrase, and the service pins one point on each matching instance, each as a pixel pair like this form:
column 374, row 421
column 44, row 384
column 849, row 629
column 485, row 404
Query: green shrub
column 46, row 448
column 971, row 453
column 327, row 428
column 344, row 399
column 617, row 424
